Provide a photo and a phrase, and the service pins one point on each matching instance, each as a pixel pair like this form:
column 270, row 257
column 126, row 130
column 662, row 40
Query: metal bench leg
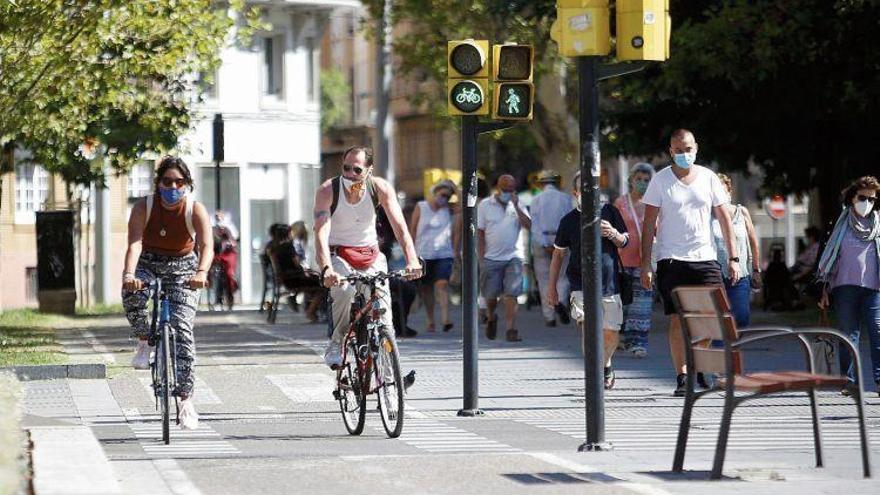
column 683, row 430
column 817, row 427
column 723, row 433
column 863, row 432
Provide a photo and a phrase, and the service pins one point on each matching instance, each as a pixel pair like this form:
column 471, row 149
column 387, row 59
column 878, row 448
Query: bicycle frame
column 372, row 309
column 161, row 315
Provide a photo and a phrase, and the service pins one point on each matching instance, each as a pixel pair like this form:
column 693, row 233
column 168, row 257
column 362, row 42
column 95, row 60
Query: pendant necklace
column 162, row 231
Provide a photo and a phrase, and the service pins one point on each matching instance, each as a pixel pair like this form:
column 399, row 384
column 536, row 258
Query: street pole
column 469, row 290
column 218, row 155
column 591, row 252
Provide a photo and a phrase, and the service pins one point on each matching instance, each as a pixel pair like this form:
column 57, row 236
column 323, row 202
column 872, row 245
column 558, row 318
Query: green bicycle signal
column 467, row 96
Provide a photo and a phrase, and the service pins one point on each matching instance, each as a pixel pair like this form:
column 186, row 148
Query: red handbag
column 359, row 257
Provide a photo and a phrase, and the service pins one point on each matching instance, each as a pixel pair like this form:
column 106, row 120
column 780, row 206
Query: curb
column 59, row 371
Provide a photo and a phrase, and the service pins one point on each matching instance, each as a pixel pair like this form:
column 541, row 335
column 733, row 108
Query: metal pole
column 591, row 268
column 384, row 68
column 469, row 289
column 102, row 237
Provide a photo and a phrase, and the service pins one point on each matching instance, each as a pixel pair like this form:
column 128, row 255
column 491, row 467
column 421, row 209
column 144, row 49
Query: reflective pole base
column 595, row 447
column 470, row 413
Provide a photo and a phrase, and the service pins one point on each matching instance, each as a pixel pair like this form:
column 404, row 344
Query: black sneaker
column 409, row 332
column 609, row 378
column 562, row 312
column 492, row 329
column 680, row 385
column 550, row 323
column 702, row 382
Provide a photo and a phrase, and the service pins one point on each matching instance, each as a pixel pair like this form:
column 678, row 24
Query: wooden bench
column 705, row 317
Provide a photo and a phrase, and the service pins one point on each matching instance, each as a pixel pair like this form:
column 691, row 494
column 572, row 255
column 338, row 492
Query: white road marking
column 306, row 387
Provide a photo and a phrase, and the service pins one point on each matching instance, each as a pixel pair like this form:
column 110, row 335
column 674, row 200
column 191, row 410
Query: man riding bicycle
column 346, row 241
column 163, row 231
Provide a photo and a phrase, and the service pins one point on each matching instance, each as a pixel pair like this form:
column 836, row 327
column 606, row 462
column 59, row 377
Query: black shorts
column 675, row 273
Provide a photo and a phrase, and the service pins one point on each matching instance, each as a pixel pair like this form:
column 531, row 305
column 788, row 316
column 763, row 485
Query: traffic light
column 643, row 29
column 467, row 82
column 582, row 27
column 514, row 93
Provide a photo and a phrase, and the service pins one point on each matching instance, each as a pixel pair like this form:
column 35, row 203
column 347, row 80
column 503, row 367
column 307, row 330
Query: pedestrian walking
column 683, row 197
column 431, row 228
column 636, row 315
column 568, row 242
column 499, row 221
column 170, row 239
column 546, row 210
column 739, row 294
column 849, row 268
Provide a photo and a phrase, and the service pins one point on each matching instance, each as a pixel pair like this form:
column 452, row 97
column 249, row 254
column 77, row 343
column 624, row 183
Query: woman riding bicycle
column 163, row 232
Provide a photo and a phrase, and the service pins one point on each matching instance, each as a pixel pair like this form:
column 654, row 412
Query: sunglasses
column 872, row 199
column 172, row 182
column 357, row 170
column 447, row 196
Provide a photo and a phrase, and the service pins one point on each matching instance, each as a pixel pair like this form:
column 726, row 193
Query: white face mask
column 863, row 207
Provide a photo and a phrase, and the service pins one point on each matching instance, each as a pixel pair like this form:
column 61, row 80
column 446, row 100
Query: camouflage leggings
column 174, row 272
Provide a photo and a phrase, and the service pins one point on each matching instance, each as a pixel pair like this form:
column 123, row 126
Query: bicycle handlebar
column 375, row 277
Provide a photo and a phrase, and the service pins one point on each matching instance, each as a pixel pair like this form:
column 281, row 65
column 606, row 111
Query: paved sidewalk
column 269, row 422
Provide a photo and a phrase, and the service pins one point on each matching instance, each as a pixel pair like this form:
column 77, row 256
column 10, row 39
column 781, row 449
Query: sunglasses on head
column 349, row 168
column 862, row 197
column 170, row 181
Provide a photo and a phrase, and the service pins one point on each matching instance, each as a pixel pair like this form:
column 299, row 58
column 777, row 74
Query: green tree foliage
column 335, row 99
column 793, row 86
column 119, row 74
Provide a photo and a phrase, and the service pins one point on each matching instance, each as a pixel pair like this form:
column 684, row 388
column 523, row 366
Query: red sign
column 776, row 207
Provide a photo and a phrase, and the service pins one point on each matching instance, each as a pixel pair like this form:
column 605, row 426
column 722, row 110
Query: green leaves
column 121, row 72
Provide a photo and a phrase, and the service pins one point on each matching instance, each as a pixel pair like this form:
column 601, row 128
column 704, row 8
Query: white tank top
column 434, row 232
column 353, row 224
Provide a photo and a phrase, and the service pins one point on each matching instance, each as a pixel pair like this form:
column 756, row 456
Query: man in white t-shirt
column 499, row 220
column 684, row 196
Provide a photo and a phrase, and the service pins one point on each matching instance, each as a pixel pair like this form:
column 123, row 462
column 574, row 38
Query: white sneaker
column 142, row 353
column 333, row 356
column 189, row 418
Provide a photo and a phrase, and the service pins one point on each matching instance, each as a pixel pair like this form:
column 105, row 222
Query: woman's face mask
column 171, row 195
column 640, row 185
column 863, row 205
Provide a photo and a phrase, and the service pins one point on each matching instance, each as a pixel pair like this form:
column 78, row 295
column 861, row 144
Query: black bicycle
column 164, row 363
column 370, row 363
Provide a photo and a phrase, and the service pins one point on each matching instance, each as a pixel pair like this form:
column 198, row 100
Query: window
column 31, row 191
column 140, row 180
column 273, row 66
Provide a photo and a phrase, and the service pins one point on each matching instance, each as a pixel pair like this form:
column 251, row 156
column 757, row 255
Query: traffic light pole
column 471, row 129
column 591, row 254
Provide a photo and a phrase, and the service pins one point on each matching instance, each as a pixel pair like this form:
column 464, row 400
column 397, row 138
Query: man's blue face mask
column 685, row 160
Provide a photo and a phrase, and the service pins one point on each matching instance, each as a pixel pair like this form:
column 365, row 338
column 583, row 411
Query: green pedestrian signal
column 513, row 101
column 514, row 93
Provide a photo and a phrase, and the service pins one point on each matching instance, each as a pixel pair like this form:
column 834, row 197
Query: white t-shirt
column 501, row 226
column 684, row 228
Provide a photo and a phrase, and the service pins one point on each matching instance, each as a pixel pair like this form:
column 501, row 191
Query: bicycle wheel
column 163, row 357
column 352, row 401
column 390, row 386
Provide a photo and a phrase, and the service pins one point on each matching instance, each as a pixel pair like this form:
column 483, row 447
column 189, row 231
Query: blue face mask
column 504, row 196
column 685, row 160
column 172, row 195
column 640, row 186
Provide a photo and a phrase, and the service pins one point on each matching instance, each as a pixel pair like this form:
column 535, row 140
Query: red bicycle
column 370, row 362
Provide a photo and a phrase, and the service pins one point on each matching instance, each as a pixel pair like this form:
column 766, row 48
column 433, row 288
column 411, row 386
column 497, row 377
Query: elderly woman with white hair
column 431, row 227
column 637, row 316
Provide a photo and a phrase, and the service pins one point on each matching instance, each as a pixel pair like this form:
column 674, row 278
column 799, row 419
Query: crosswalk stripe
column 201, row 442
column 433, row 436
column 768, row 435
column 306, row 387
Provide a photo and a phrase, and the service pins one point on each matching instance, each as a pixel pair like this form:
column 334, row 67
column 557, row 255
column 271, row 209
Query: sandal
column 447, row 327
column 513, row 336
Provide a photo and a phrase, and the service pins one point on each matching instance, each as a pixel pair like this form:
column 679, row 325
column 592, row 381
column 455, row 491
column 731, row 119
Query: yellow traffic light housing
column 582, row 28
column 513, row 91
column 467, row 83
column 643, row 29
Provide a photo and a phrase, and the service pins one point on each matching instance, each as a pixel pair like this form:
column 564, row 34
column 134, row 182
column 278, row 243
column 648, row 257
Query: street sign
column 775, row 207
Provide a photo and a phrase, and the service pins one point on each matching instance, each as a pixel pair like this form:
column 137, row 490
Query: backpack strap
column 190, row 203
column 149, row 210
column 374, row 193
column 335, row 183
